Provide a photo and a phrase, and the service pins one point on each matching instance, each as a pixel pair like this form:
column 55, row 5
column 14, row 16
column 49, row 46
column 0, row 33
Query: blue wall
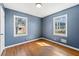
column 34, row 27
column 73, row 26
column 38, row 27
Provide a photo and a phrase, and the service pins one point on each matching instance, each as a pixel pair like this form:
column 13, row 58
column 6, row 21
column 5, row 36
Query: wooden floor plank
column 40, row 48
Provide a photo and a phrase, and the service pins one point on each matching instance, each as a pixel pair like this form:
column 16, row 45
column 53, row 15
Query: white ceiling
column 45, row 10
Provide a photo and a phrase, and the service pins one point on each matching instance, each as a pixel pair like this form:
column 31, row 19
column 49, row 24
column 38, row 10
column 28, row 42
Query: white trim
column 61, row 44
column 2, row 51
column 54, row 18
column 16, row 35
column 44, row 39
column 21, row 43
column 2, row 43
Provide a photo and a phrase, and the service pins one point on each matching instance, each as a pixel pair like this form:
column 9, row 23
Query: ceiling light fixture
column 38, row 5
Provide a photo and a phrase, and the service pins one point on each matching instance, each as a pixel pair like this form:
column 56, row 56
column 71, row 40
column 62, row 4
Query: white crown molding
column 46, row 9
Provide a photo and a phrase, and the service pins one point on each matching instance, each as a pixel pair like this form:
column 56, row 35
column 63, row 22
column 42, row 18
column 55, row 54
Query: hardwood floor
column 40, row 48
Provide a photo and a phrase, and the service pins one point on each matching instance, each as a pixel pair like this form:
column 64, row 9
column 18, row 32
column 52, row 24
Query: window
column 60, row 25
column 20, row 26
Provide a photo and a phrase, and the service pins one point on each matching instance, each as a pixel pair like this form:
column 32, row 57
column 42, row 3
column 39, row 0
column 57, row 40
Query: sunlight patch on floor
column 43, row 44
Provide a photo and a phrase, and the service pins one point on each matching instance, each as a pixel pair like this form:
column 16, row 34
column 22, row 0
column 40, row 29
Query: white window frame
column 16, row 35
column 54, row 18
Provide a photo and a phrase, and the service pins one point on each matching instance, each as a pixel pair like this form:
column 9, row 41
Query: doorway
column 2, row 31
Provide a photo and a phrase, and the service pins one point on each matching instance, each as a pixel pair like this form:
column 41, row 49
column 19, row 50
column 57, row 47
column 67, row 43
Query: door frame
column 2, row 31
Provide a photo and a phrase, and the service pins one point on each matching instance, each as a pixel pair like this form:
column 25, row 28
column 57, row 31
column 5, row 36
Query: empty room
column 39, row 29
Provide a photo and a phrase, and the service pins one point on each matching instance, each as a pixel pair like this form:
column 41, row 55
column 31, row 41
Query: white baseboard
column 44, row 39
column 61, row 44
column 21, row 43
